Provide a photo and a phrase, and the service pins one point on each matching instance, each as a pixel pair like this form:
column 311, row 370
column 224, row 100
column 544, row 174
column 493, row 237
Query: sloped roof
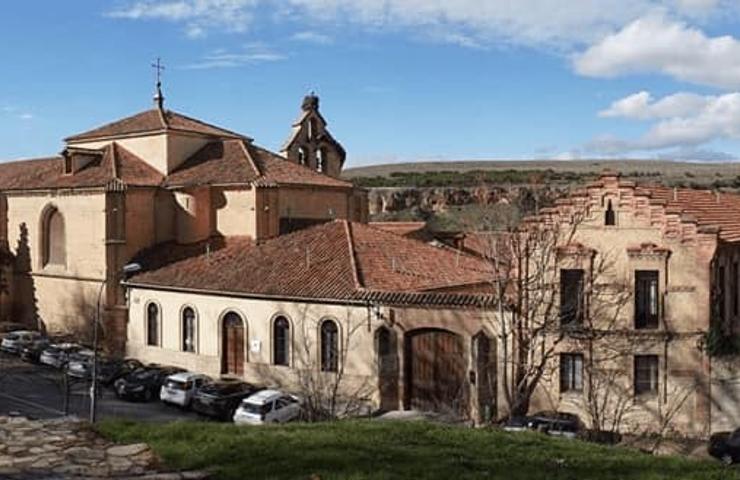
column 338, row 260
column 710, row 209
column 238, row 162
column 114, row 163
column 154, row 120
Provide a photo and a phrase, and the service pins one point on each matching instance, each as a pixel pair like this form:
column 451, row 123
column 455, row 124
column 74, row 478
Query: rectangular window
column 571, row 297
column 646, row 299
column 571, row 372
column 646, row 374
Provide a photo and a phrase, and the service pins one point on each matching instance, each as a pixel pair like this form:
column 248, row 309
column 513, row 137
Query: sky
column 399, row 80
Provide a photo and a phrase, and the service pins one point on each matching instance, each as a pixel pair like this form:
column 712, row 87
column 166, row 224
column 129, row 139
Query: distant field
column 427, row 173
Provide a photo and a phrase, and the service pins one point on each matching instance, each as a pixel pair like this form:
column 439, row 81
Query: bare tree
column 535, row 316
column 327, row 391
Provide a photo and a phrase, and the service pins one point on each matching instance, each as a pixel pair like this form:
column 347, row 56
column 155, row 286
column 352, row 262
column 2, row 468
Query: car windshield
column 177, row 385
column 143, row 374
column 255, row 409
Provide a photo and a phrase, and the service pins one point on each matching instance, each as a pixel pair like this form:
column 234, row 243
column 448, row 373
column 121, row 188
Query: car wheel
column 147, row 395
column 727, row 459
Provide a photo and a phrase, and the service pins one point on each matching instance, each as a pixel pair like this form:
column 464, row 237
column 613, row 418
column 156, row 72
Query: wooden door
column 233, row 345
column 435, row 371
column 387, row 351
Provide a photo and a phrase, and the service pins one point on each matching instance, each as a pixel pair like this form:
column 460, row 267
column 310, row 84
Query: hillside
column 668, row 172
column 476, row 195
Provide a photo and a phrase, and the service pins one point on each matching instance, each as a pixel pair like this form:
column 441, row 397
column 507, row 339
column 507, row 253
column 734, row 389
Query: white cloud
column 312, row 37
column 642, row 106
column 16, row 112
column 656, row 44
column 698, row 121
column 198, row 16
column 250, row 54
column 554, row 23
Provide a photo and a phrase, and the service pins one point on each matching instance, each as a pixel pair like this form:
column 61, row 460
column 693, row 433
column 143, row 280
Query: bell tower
column 310, row 144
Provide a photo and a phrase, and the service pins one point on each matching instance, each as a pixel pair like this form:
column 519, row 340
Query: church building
column 253, row 264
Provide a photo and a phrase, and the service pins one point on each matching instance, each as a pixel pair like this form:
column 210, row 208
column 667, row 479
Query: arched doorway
column 387, row 354
column 435, row 371
column 232, row 353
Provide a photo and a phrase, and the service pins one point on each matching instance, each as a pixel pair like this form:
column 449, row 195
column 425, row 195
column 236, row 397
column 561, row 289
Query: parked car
column 221, row 399
column 179, row 389
column 32, row 351
column 268, row 406
column 109, row 369
column 143, row 383
column 57, row 355
column 557, row 424
column 725, row 446
column 14, row 342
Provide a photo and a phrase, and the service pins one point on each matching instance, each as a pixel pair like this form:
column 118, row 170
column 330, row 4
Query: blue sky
column 400, row 80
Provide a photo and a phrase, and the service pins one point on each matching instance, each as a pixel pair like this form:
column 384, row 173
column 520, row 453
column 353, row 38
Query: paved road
column 37, row 391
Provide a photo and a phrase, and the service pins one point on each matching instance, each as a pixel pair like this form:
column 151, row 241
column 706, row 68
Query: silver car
column 57, row 355
column 14, row 342
column 179, row 388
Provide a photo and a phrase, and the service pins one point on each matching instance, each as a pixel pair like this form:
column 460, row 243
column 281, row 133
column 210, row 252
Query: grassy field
column 396, row 450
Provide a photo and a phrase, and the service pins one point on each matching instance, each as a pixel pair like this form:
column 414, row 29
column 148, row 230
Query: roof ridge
column 211, row 125
column 163, row 118
column 352, row 258
column 113, row 158
column 251, row 161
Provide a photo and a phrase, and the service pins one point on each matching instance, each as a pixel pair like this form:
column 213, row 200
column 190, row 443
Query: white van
column 268, row 406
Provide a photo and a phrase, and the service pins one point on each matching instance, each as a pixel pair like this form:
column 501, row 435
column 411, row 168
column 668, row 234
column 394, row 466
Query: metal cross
column 160, row 68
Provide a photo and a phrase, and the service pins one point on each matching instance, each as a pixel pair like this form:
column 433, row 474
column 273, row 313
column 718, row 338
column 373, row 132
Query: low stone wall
column 68, row 448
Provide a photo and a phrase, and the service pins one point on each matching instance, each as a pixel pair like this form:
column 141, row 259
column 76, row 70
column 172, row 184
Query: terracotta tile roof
column 338, row 260
column 277, row 169
column 239, row 162
column 115, row 162
column 221, row 162
column 710, row 209
column 154, row 120
column 405, row 229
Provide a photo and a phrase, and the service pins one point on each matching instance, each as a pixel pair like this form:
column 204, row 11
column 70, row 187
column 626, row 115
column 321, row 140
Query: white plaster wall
column 150, row 148
column 258, row 315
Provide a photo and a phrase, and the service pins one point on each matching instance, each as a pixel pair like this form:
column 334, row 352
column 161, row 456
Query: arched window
column 152, row 324
column 281, row 341
column 329, row 346
column 188, row 330
column 312, row 129
column 53, row 238
column 301, row 156
column 609, row 215
column 320, row 166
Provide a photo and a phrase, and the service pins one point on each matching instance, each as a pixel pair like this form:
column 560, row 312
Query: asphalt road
column 37, row 391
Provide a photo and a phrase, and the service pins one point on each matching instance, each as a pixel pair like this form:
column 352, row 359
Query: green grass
column 396, row 450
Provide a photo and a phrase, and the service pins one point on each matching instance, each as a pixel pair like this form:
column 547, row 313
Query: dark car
column 558, row 424
column 109, row 369
column 221, row 399
column 143, row 383
column 725, row 446
column 32, row 351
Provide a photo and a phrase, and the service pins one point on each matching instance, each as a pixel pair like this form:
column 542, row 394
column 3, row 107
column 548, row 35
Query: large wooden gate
column 435, row 371
column 232, row 359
